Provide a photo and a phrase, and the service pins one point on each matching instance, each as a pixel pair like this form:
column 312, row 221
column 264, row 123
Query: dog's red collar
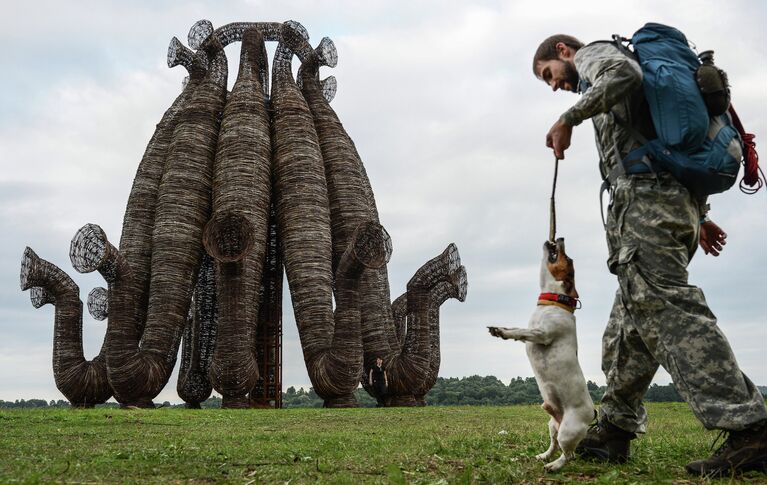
column 563, row 301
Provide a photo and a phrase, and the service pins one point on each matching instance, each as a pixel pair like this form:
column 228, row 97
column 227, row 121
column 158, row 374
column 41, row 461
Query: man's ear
column 564, row 51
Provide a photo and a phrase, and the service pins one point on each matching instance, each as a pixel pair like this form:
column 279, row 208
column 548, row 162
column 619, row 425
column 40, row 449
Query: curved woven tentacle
column 199, row 339
column 138, row 223
column 140, row 365
column 351, row 202
column 303, row 218
column 242, row 174
column 411, row 366
column 83, row 382
column 237, row 233
column 346, row 196
column 408, row 334
column 454, row 288
column 369, row 248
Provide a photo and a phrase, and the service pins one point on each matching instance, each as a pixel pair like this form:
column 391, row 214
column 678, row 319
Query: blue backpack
column 702, row 152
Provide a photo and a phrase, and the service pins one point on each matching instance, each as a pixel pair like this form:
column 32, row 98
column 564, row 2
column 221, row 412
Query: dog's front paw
column 496, row 332
column 543, row 456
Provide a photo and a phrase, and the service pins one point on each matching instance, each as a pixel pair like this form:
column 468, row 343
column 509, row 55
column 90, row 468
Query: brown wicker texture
column 139, row 372
column 332, row 348
column 441, row 292
column 454, row 287
column 346, row 194
column 83, row 382
column 138, row 223
column 199, row 339
column 237, row 233
column 259, row 183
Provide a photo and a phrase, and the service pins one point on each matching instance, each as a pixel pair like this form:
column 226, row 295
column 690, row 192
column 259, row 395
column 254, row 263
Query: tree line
column 448, row 391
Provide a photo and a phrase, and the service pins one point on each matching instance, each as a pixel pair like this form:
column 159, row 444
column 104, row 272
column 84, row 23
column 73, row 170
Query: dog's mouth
column 555, row 249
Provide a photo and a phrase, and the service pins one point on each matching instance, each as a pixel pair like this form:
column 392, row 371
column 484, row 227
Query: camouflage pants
column 660, row 319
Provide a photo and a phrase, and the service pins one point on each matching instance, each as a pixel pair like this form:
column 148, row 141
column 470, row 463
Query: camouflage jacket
column 614, row 83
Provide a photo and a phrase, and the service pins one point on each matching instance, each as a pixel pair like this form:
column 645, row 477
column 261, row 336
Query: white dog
column 552, row 348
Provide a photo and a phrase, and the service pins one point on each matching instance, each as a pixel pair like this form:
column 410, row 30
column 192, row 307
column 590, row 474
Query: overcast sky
column 441, row 102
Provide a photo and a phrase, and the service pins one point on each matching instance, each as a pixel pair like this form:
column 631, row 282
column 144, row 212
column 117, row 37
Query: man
column 653, row 228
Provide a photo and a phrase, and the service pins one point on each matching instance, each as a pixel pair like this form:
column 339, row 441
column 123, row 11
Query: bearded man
column 654, row 226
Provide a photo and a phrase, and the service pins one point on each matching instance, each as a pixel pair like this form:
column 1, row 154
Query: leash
column 552, row 207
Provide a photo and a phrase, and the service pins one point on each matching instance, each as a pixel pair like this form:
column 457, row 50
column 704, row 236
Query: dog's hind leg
column 572, row 430
column 553, row 411
column 554, row 446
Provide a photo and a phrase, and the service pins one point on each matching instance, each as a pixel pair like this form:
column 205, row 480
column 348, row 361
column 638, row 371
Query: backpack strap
column 637, row 160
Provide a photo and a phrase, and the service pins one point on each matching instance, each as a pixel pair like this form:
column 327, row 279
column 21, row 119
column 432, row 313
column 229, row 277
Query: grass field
column 398, row 445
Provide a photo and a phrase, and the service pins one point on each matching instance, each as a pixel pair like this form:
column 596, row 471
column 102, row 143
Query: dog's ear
column 569, row 281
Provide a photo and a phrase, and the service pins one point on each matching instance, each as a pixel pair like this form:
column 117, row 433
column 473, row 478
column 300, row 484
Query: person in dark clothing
column 379, row 381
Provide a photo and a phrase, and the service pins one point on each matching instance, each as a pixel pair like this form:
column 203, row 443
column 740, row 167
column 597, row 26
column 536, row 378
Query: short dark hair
column 547, row 51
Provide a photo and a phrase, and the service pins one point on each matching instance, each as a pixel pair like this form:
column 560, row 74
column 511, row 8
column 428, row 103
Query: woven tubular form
column 98, row 303
column 242, row 172
column 138, row 374
column 139, row 220
column 346, row 193
column 351, row 202
column 199, row 339
column 84, row 383
column 414, row 334
column 259, row 182
column 454, row 288
column 303, row 218
column 236, row 235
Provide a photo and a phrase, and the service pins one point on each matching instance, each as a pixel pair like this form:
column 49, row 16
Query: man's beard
column 571, row 76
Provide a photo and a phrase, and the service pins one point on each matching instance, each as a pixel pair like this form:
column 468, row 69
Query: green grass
column 423, row 445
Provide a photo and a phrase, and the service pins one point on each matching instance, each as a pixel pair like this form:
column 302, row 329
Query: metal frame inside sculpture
column 232, row 188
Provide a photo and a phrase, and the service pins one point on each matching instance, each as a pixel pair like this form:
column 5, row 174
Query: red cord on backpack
column 751, row 181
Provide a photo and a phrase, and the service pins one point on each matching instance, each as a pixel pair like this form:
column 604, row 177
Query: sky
column 441, row 102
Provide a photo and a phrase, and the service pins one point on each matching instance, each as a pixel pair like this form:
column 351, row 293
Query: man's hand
column 712, row 238
column 558, row 138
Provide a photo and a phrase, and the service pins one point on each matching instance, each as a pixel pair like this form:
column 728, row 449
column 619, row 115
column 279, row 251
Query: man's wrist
column 570, row 118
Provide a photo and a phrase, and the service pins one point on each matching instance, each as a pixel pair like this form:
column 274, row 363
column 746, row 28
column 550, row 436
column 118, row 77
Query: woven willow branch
column 236, row 235
column 199, row 339
column 83, row 382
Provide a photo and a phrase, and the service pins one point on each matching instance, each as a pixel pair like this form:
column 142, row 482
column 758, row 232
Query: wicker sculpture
column 233, row 186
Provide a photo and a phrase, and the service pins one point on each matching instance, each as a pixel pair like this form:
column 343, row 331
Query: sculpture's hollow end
column 452, row 257
column 327, row 53
column 372, row 244
column 174, row 48
column 98, row 303
column 39, row 296
column 461, row 282
column 88, row 250
column 199, row 33
column 228, row 237
column 329, row 88
column 29, row 259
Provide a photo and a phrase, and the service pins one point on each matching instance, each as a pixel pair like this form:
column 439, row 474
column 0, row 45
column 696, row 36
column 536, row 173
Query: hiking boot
column 741, row 451
column 606, row 442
